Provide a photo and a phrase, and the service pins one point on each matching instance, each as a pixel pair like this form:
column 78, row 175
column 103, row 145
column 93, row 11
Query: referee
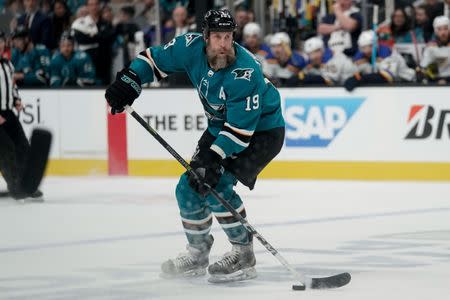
column 14, row 146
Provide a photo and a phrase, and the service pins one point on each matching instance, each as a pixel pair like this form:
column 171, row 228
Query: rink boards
column 397, row 133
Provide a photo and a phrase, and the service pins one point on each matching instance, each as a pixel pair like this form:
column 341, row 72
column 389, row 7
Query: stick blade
column 331, row 282
column 37, row 160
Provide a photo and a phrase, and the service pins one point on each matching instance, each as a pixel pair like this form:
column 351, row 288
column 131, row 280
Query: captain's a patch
column 242, row 73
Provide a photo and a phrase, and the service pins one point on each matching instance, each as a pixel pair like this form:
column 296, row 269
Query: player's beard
column 220, row 62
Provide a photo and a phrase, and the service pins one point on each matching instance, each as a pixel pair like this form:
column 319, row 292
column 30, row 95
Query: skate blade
column 189, row 274
column 244, row 274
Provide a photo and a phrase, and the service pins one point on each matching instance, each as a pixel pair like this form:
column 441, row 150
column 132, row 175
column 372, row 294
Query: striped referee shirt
column 8, row 89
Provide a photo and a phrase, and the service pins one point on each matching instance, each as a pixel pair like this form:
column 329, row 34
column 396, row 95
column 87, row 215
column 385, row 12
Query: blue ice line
column 261, row 225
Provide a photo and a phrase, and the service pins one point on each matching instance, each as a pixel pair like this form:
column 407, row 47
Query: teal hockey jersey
column 78, row 70
column 34, row 64
column 237, row 100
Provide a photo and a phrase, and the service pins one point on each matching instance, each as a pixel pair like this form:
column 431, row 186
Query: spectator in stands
column 435, row 64
column 8, row 15
column 389, row 67
column 242, row 18
column 282, row 62
column 345, row 21
column 60, row 18
column 125, row 30
column 81, row 12
column 4, row 53
column 167, row 7
column 423, row 25
column 31, row 62
column 434, row 8
column 253, row 41
column 38, row 24
column 398, row 31
column 178, row 24
column 147, row 20
column 324, row 66
column 95, row 36
column 107, row 14
column 69, row 67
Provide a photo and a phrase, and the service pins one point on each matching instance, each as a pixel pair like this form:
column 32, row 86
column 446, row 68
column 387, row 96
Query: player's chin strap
column 303, row 281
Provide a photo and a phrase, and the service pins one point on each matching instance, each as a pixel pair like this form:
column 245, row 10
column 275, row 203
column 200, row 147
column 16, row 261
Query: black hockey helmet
column 218, row 20
column 20, row 32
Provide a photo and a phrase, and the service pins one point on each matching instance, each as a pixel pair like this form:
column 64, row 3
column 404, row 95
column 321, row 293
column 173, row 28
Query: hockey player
column 389, row 67
column 69, row 67
column 30, row 61
column 435, row 64
column 324, row 65
column 245, row 132
column 282, row 62
column 253, row 41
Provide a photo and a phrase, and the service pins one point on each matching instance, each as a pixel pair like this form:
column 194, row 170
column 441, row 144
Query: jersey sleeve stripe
column 147, row 57
column 245, row 139
column 234, row 138
column 197, row 222
column 218, row 150
column 240, row 131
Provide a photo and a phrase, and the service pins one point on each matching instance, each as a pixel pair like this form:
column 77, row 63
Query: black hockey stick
column 303, row 281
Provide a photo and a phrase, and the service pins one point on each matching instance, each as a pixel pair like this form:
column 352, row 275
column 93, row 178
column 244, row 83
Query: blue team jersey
column 237, row 100
column 382, row 52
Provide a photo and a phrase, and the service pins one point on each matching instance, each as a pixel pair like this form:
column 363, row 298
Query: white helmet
column 252, row 29
column 280, row 38
column 366, row 38
column 313, row 44
column 441, row 21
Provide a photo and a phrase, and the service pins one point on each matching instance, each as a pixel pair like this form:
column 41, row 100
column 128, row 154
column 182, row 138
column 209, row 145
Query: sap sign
column 315, row 122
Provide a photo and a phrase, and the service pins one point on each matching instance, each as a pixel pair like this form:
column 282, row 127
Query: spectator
column 95, row 36
column 107, row 14
column 8, row 14
column 38, row 24
column 167, row 7
column 434, row 8
column 31, row 62
column 253, row 42
column 436, row 57
column 69, row 67
column 282, row 62
column 423, row 25
column 242, row 18
column 346, row 21
column 81, row 12
column 179, row 24
column 324, row 65
column 4, row 53
column 363, row 58
column 125, row 31
column 390, row 67
column 147, row 20
column 60, row 18
column 398, row 31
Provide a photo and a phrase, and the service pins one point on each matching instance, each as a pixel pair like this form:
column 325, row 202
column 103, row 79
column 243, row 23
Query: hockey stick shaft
column 304, row 280
column 375, row 39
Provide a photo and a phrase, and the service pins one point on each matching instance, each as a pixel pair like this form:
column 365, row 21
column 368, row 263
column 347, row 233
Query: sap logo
column 315, row 122
column 423, row 120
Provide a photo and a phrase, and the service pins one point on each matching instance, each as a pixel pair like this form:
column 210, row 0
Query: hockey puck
column 298, row 287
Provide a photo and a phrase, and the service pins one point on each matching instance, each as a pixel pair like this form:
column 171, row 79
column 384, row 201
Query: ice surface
column 105, row 238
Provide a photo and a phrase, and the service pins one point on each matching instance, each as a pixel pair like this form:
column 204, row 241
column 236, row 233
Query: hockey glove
column 208, row 166
column 123, row 91
column 352, row 82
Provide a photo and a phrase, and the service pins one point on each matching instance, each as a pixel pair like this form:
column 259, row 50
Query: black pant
column 246, row 165
column 14, row 149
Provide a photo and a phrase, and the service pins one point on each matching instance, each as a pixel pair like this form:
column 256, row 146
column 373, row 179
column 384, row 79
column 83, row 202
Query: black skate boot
column 236, row 265
column 193, row 263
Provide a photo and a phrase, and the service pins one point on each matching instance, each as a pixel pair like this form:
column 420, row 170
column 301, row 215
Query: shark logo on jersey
column 190, row 37
column 242, row 73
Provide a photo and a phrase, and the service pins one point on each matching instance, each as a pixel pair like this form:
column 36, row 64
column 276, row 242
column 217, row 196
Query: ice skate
column 236, row 265
column 192, row 263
